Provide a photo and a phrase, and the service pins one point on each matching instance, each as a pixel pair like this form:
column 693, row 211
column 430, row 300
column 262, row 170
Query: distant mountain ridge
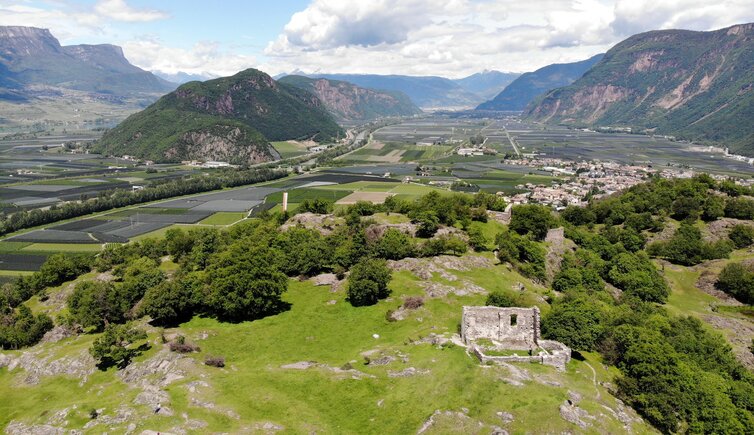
column 424, row 91
column 348, row 102
column 32, row 57
column 229, row 119
column 487, row 84
column 693, row 85
column 524, row 89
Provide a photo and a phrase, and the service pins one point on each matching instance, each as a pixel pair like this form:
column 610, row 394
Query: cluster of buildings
column 584, row 180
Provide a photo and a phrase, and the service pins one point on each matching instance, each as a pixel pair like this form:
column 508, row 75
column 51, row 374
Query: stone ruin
column 502, row 335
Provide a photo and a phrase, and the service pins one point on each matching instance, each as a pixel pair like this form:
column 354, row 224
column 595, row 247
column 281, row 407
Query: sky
column 450, row 38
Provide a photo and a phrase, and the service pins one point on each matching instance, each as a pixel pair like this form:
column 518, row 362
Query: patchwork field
column 290, row 148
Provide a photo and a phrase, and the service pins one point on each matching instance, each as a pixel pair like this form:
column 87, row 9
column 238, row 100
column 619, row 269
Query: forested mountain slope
column 230, row 119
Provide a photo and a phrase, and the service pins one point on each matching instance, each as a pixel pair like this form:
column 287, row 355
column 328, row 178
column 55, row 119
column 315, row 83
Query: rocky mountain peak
column 19, row 41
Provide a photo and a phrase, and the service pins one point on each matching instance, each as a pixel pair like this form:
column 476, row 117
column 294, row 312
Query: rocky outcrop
column 348, row 102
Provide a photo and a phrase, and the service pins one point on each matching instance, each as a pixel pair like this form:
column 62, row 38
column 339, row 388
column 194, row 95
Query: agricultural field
column 396, row 152
column 290, row 148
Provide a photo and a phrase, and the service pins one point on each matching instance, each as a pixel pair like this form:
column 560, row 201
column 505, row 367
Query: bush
column 394, row 245
column 502, row 299
column 368, row 282
column 180, row 345
column 21, row 328
column 413, row 302
column 316, row 206
column 741, row 236
column 738, row 281
column 117, row 345
column 215, row 361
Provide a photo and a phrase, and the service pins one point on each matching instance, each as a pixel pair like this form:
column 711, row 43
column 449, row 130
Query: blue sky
column 451, row 38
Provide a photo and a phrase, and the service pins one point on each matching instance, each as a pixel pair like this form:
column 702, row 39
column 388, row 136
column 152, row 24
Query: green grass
column 317, row 398
column 13, row 246
column 161, row 232
column 62, row 247
column 223, row 218
column 287, row 149
column 148, row 210
column 298, row 195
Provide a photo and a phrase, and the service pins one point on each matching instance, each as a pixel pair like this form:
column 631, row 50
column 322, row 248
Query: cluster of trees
column 57, row 269
column 737, row 280
column 694, row 198
column 687, row 247
column 115, row 198
column 19, row 327
column 240, row 274
column 675, row 372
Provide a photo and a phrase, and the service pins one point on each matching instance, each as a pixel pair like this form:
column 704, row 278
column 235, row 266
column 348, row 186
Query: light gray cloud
column 459, row 37
column 119, row 10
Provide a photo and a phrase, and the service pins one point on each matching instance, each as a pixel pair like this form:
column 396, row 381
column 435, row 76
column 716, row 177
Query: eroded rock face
column 224, row 143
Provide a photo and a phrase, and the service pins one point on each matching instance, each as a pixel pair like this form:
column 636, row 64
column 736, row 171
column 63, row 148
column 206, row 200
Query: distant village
column 594, row 179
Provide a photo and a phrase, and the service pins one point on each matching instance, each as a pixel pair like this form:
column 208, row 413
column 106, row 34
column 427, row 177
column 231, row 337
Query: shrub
column 502, row 299
column 215, row 361
column 117, row 346
column 180, row 345
column 741, row 236
column 413, row 302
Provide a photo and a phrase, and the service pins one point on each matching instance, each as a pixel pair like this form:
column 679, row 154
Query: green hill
column 693, row 85
column 349, row 102
column 230, row 119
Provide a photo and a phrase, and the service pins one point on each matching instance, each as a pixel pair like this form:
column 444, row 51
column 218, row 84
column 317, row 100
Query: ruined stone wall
column 514, row 328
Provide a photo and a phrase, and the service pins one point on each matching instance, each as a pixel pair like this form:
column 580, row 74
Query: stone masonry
column 486, row 329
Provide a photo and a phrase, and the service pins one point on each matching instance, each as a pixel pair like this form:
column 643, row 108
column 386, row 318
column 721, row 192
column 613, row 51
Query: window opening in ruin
column 514, row 319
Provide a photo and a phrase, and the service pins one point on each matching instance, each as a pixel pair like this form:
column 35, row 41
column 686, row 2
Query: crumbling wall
column 513, row 328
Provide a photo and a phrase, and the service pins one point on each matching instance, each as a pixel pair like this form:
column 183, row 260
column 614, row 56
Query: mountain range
column 229, row 119
column 693, row 85
column 524, row 89
column 348, row 102
column 31, row 57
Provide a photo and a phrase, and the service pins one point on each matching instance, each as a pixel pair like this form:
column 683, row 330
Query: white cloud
column 204, row 58
column 119, row 10
column 459, row 37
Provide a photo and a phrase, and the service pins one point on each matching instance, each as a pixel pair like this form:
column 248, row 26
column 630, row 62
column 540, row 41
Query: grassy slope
column 255, row 387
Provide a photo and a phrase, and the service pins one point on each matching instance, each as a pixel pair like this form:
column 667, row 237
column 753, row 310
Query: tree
column 578, row 323
column 140, row 275
column 394, row 245
column 20, row 328
column 578, row 215
column 95, row 304
column 316, row 206
column 636, row 275
column 368, row 282
column 477, row 239
column 244, row 283
column 428, row 224
column 117, row 345
column 713, row 208
column 531, row 219
column 741, row 235
column 171, row 302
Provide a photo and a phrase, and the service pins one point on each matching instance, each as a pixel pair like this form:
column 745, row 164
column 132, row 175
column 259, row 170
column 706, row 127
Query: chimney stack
column 285, row 201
